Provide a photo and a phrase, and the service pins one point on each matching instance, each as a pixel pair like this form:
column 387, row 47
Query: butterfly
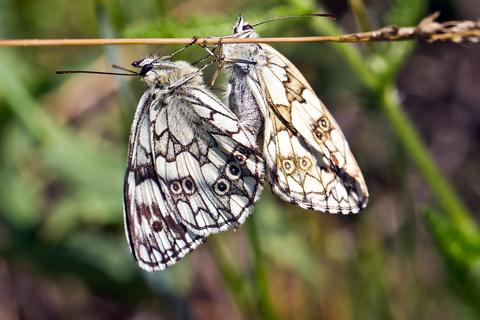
column 193, row 169
column 308, row 160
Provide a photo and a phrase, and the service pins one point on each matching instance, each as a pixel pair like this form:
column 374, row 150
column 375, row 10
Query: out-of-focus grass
column 62, row 163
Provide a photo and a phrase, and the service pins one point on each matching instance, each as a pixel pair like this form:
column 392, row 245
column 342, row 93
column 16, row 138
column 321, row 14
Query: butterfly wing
column 212, row 171
column 156, row 237
column 192, row 170
column 308, row 158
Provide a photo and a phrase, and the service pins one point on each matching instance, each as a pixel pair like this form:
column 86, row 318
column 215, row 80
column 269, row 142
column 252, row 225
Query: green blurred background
column 413, row 253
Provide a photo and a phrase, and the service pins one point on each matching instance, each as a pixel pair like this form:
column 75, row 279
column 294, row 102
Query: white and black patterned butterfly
column 308, row 160
column 193, row 169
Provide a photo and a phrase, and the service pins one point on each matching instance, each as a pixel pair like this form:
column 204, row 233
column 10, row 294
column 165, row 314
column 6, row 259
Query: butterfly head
column 161, row 73
column 243, row 29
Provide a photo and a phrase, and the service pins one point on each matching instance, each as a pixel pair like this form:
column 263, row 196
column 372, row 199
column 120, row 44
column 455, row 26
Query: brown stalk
column 427, row 30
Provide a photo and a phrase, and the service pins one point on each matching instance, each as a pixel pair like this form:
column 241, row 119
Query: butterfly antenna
column 99, row 72
column 300, row 16
column 124, row 69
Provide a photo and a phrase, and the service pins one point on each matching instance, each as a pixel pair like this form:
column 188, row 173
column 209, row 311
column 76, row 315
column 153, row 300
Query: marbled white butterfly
column 308, row 160
column 193, row 169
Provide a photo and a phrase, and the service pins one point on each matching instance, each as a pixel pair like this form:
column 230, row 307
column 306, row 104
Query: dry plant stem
column 427, row 30
column 356, row 37
column 96, row 42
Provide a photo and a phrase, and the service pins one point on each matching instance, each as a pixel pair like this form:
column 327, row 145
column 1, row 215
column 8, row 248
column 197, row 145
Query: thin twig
column 95, row 42
column 427, row 30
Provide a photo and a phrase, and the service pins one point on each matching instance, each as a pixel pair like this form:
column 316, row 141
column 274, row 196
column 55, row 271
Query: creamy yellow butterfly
column 308, row 159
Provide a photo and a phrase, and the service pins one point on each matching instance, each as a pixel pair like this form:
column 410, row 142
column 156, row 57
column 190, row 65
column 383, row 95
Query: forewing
column 308, row 158
column 157, row 238
column 210, row 166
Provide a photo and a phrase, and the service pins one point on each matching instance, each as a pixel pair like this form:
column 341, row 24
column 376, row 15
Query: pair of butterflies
column 194, row 168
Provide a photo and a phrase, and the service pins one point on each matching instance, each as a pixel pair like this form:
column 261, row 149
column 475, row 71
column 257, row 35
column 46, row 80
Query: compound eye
column 145, row 69
column 247, row 27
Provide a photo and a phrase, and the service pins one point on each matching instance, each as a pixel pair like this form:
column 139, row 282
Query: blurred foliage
column 461, row 253
column 63, row 143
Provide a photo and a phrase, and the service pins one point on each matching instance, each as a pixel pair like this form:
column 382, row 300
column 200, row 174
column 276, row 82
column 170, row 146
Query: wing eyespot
column 240, row 155
column 157, row 226
column 233, row 171
column 188, row 186
column 323, row 123
column 240, row 158
column 176, row 187
column 242, row 150
column 222, row 187
column 288, row 166
column 305, row 163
